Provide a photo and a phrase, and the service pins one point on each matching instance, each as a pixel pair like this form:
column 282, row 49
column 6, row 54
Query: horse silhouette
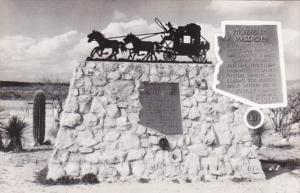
column 139, row 45
column 105, row 43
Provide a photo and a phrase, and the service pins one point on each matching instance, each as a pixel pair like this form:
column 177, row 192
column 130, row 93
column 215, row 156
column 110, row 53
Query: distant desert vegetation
column 11, row 90
column 293, row 85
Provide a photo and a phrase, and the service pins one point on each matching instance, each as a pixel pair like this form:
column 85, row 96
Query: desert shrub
column 283, row 118
column 47, row 142
column 144, row 180
column 240, row 179
column 67, row 180
column 90, row 179
column 41, row 177
column 14, row 130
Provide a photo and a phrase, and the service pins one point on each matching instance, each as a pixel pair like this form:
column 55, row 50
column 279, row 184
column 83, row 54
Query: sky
column 46, row 39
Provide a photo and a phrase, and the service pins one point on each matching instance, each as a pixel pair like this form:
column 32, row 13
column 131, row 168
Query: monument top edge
column 157, row 62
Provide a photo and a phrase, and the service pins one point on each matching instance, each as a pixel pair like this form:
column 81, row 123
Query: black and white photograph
column 154, row 96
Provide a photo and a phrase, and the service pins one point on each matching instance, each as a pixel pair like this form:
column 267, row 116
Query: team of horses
column 116, row 46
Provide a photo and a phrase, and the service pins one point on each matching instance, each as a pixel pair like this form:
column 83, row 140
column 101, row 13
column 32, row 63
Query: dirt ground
column 17, row 175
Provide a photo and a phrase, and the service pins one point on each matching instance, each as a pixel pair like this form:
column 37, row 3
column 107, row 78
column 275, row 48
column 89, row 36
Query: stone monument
column 120, row 116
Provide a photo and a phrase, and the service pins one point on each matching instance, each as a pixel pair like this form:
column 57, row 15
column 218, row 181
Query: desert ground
column 18, row 170
column 18, row 176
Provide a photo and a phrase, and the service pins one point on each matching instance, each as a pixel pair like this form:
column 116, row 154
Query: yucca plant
column 14, row 130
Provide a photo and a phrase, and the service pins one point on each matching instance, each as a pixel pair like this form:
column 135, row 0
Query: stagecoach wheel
column 169, row 55
column 199, row 58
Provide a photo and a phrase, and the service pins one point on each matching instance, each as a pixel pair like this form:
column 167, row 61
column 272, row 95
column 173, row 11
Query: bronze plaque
column 161, row 107
column 251, row 66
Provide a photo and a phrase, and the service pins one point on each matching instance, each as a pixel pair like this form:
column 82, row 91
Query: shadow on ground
column 275, row 168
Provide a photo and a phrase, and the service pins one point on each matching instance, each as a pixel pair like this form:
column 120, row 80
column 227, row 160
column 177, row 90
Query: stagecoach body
column 187, row 41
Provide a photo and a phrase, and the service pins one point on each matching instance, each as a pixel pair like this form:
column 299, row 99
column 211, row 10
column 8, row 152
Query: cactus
column 39, row 105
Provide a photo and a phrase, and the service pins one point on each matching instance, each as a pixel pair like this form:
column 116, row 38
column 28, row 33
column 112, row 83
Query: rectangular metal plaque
column 161, row 107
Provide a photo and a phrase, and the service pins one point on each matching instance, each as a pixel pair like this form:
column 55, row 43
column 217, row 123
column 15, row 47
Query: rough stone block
column 113, row 111
column 85, row 150
column 192, row 164
column 122, row 88
column 55, row 171
column 88, row 82
column 109, row 122
column 71, row 105
column 125, row 67
column 200, row 149
column 124, row 169
column 227, row 118
column 145, row 143
column 70, row 120
column 63, row 156
column 87, row 168
column 72, row 168
column 207, row 135
column 123, row 123
column 115, row 75
column 138, row 168
column 97, row 107
column 176, row 156
column 189, row 102
column 113, row 157
column 140, row 130
column 93, row 158
column 135, row 154
column 154, row 140
column 86, row 138
column 64, row 138
column 111, row 136
column 214, row 166
column 224, row 137
column 129, row 141
column 194, row 113
column 107, row 171
column 90, row 120
column 91, row 65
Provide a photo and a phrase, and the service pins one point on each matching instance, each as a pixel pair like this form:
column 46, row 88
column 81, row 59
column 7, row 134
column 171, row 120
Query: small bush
column 67, row 180
column 14, row 130
column 240, row 179
column 90, row 179
column 41, row 178
column 47, row 142
column 187, row 180
column 143, row 180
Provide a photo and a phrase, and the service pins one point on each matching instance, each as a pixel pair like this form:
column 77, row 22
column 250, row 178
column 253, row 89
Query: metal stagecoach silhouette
column 182, row 41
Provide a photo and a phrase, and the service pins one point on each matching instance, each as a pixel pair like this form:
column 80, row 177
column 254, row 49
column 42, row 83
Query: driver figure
column 171, row 32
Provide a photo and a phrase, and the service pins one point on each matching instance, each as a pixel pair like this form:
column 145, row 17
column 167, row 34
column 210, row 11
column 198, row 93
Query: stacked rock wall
column 100, row 131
